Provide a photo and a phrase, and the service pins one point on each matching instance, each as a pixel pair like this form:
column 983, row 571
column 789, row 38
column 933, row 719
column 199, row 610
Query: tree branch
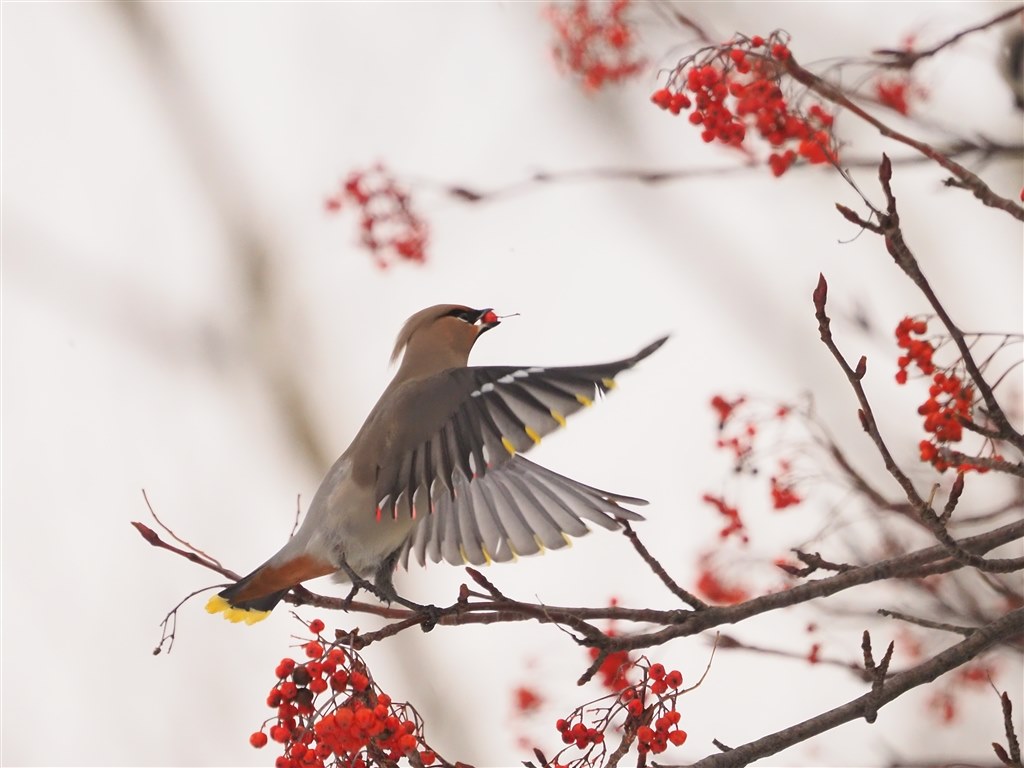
column 981, row 639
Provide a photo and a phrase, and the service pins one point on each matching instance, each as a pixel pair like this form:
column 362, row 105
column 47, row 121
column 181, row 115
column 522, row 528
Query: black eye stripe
column 467, row 315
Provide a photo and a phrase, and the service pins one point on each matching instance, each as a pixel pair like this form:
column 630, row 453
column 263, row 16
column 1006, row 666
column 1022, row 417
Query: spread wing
column 475, row 498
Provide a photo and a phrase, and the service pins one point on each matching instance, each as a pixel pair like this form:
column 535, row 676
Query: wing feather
column 461, row 475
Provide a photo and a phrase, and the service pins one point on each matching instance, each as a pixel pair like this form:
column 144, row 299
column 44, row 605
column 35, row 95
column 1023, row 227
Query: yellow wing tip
column 559, row 417
column 218, row 604
column 533, row 435
column 584, row 400
column 508, row 446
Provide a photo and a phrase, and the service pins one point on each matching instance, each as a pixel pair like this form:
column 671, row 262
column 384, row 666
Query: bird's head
column 441, row 336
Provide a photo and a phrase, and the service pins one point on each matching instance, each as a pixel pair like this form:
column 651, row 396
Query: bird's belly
column 342, row 524
column 366, row 541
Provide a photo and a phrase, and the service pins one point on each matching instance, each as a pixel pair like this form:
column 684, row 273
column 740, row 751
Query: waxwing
column 437, row 470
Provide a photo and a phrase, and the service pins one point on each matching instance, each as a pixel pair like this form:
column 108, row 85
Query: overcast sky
column 170, row 280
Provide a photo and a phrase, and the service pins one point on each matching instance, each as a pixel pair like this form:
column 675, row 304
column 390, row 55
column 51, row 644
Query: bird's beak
column 487, row 320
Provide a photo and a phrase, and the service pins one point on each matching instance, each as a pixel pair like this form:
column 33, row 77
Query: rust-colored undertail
column 253, row 597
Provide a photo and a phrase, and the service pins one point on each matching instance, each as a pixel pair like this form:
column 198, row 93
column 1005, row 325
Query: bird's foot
column 431, row 613
column 385, row 590
column 359, row 583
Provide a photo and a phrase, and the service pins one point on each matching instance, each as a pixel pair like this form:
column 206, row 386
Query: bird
column 437, row 470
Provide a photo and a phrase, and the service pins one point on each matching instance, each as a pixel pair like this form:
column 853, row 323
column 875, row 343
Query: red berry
column 359, row 681
column 662, row 97
column 339, row 680
column 288, row 690
column 314, row 650
column 677, row 737
column 258, row 739
column 316, row 626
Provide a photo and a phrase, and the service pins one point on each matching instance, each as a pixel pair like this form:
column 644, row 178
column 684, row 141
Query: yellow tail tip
column 218, row 604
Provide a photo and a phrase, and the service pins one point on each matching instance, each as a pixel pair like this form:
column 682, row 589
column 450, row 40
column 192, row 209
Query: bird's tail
column 253, row 597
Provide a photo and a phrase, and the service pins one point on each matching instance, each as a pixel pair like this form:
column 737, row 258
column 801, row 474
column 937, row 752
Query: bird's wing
column 517, row 508
column 459, row 473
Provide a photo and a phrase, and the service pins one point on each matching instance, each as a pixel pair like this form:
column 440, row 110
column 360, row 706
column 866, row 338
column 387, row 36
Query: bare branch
column 970, row 180
column 928, row 623
column 896, row 685
column 687, row 597
column 906, row 59
column 1011, row 736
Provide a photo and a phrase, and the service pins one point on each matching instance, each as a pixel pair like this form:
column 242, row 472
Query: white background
column 150, row 151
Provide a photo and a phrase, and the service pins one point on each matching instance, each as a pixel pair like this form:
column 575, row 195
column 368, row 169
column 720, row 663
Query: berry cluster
column 357, row 727
column 389, row 228
column 733, row 521
column 649, row 713
column 724, row 408
column 739, row 424
column 917, row 351
column 578, row 733
column 595, row 41
column 735, row 89
column 527, row 700
column 950, row 402
column 896, row 92
column 944, row 702
column 737, row 435
column 616, row 665
column 713, row 587
column 782, row 489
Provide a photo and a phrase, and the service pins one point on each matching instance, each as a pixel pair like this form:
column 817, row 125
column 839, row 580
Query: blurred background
column 181, row 315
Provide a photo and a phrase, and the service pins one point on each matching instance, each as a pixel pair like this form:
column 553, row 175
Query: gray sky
column 169, row 272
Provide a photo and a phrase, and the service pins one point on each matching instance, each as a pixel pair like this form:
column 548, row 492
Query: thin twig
column 906, row 59
column 970, row 180
column 1011, row 736
column 687, row 597
column 1007, row 626
column 175, row 536
column 960, row 630
column 467, row 194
